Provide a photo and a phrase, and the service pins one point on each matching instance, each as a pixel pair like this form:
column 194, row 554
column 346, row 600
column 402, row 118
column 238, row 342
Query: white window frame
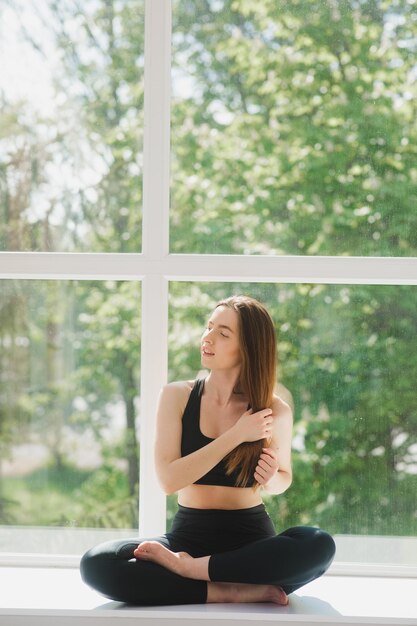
column 155, row 267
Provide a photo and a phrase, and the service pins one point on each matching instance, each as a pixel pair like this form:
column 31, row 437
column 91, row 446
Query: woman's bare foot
column 175, row 561
column 240, row 592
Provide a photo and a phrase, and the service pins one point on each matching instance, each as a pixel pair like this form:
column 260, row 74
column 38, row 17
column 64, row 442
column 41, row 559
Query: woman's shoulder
column 179, row 386
column 174, row 397
column 178, row 390
column 281, row 409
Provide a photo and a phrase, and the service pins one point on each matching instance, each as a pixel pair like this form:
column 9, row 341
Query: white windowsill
column 43, row 589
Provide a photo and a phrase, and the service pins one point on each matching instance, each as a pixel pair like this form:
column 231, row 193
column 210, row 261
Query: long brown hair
column 257, row 376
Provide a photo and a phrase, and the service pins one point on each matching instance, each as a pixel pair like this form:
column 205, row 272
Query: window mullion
column 155, row 247
column 154, row 351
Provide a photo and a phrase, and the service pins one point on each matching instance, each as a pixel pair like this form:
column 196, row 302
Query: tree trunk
column 132, row 447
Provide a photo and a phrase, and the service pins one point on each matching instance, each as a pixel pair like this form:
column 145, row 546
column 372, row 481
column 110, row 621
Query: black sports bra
column 192, row 439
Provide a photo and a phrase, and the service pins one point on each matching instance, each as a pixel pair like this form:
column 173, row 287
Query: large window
column 282, row 140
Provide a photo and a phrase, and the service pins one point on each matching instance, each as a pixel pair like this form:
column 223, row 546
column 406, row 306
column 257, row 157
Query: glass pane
column 71, row 125
column 348, row 365
column 293, row 127
column 69, row 389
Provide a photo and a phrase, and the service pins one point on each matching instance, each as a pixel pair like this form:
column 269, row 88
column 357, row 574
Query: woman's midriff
column 216, row 497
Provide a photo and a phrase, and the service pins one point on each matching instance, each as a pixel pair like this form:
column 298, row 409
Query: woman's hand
column 267, row 466
column 254, row 426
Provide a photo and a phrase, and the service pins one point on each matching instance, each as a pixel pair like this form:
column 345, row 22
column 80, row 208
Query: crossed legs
column 183, row 564
column 157, row 572
column 261, row 571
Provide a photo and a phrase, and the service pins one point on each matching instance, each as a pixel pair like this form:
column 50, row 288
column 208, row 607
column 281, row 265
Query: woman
column 220, row 440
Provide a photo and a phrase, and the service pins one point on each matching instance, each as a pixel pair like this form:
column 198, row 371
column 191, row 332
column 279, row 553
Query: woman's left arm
column 273, row 471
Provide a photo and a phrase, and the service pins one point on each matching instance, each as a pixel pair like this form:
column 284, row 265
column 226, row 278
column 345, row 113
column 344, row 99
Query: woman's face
column 220, row 341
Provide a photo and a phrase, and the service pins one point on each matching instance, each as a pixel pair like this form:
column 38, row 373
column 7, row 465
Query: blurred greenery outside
column 293, row 132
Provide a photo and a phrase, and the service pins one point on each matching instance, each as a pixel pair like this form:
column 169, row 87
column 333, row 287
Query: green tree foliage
column 103, row 75
column 66, row 371
column 108, row 337
column 71, row 179
column 25, row 155
column 297, row 131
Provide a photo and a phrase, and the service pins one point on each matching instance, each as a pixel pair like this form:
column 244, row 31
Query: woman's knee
column 313, row 541
column 97, row 560
column 319, row 542
column 326, row 545
column 103, row 572
column 89, row 567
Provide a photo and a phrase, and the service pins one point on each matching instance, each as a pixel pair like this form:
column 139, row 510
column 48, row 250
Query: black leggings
column 243, row 547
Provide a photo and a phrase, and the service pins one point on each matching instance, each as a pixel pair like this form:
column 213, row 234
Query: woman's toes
column 146, row 548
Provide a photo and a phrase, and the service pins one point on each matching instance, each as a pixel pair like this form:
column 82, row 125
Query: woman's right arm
column 175, row 472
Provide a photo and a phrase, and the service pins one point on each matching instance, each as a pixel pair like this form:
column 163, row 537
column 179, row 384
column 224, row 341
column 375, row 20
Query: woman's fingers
column 271, row 460
column 264, row 469
column 261, row 479
column 267, row 423
column 264, row 464
column 270, row 451
column 255, row 426
column 267, row 466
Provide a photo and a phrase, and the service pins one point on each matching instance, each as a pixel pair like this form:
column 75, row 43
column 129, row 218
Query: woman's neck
column 222, row 387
